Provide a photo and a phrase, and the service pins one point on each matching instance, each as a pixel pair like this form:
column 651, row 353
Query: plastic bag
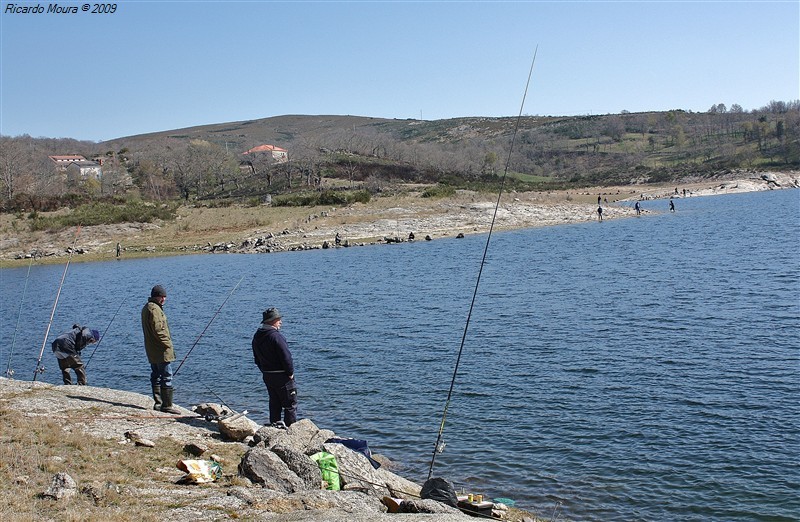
column 329, row 469
column 199, row 471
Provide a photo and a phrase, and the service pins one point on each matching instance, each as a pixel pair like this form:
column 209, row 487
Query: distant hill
column 626, row 147
column 208, row 161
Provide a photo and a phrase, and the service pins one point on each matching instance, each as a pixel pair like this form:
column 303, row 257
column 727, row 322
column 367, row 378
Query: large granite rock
column 355, row 470
column 301, row 465
column 264, row 467
column 237, row 428
column 303, row 436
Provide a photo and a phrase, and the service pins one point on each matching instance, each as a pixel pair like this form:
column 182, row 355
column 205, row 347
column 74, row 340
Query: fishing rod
column 209, row 324
column 39, row 369
column 221, row 400
column 9, row 371
column 439, row 446
column 104, row 333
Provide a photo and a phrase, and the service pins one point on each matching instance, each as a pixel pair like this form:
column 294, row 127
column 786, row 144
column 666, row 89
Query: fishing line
column 9, row 371
column 438, row 447
column 209, row 324
column 396, row 492
column 104, row 333
column 219, row 399
column 39, row 369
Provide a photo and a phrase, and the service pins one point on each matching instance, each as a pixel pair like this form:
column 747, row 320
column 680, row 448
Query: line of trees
column 617, row 148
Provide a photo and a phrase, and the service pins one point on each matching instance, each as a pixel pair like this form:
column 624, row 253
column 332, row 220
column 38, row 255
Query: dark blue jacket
column 271, row 352
column 72, row 342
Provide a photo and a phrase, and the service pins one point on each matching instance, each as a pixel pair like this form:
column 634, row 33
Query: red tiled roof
column 265, row 148
column 68, row 157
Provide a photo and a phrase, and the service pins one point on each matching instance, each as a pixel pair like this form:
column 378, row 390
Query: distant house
column 62, row 162
column 83, row 170
column 77, row 167
column 278, row 154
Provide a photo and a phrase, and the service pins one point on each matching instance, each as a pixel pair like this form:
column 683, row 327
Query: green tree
column 489, row 162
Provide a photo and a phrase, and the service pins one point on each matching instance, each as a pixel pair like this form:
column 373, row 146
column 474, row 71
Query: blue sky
column 160, row 65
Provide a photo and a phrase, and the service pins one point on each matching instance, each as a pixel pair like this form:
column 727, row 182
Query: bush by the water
column 439, row 191
column 326, row 197
column 105, row 214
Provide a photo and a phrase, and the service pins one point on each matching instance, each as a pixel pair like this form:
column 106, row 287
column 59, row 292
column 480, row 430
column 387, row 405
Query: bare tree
column 10, row 165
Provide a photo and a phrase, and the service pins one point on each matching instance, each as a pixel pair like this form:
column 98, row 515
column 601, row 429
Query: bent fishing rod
column 9, row 371
column 439, row 446
column 104, row 333
column 209, row 324
column 39, row 369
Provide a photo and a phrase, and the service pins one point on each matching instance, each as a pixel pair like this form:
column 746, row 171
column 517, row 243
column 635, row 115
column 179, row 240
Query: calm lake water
column 636, row 369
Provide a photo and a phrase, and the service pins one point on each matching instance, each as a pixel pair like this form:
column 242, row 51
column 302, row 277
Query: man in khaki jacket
column 158, row 345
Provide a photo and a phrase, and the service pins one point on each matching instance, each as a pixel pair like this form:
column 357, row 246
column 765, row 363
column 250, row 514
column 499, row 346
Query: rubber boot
column 166, row 398
column 157, row 397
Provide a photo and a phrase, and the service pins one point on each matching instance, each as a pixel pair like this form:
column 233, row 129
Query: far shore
column 383, row 220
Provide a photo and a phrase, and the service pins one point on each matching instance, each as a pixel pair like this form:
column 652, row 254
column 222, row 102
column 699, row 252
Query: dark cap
column 270, row 314
column 158, row 291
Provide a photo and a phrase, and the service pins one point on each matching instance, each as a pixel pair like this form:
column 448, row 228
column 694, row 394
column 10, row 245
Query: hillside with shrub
column 338, row 160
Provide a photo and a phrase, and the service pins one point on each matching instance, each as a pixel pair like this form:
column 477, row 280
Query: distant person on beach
column 67, row 349
column 599, row 200
column 411, row 236
column 671, row 205
column 160, row 352
column 337, row 239
column 600, row 213
column 119, row 249
column 637, row 208
column 273, row 358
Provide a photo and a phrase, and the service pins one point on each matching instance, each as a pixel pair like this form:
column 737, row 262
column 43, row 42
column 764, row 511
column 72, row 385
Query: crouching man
column 67, row 349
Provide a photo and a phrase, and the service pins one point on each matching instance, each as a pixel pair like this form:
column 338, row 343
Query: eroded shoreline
column 383, row 220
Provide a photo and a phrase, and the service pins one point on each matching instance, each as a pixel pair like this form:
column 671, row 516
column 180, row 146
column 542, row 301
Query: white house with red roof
column 277, row 153
column 78, row 167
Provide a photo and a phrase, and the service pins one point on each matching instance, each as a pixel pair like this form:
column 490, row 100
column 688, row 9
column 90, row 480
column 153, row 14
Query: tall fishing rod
column 9, row 371
column 209, row 324
column 104, row 333
column 39, row 369
column 438, row 447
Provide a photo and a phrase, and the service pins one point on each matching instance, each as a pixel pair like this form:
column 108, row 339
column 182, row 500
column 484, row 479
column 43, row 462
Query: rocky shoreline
column 266, row 472
column 380, row 222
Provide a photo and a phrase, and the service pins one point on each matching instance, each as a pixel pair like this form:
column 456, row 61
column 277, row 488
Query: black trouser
column 282, row 396
column 74, row 362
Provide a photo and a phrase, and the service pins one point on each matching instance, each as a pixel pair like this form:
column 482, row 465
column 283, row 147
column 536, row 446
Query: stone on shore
column 63, row 486
column 237, row 428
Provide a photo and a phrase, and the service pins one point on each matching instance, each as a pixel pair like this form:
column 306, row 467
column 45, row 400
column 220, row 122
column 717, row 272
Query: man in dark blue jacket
column 67, row 349
column 273, row 358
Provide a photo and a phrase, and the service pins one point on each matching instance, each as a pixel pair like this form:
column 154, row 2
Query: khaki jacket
column 157, row 340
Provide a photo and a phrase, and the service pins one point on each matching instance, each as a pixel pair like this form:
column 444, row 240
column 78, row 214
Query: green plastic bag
column 328, row 468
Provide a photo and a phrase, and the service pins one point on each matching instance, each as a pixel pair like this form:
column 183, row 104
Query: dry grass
column 197, row 226
column 34, row 449
column 44, row 432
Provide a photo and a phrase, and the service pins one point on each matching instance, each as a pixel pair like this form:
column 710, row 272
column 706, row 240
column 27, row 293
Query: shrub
column 326, row 197
column 105, row 214
column 439, row 191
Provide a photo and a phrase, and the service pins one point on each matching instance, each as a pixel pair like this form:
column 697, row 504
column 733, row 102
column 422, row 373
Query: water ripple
column 644, row 369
